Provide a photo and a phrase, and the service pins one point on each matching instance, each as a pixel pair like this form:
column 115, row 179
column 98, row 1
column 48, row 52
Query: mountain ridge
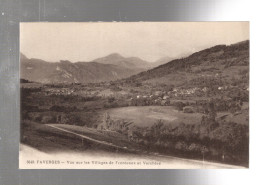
column 64, row 71
column 225, row 60
column 129, row 62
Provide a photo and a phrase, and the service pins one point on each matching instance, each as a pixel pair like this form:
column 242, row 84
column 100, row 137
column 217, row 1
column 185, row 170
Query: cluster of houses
column 59, row 91
column 69, row 91
column 168, row 97
column 165, row 97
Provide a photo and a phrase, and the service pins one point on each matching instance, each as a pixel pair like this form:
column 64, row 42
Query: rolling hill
column 219, row 64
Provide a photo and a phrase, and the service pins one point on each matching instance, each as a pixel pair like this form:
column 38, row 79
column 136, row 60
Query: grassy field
column 45, row 138
column 148, row 115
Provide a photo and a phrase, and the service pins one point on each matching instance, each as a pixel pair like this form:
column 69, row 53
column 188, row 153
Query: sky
column 149, row 41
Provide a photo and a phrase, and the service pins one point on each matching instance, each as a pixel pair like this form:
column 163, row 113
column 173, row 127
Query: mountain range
column 111, row 67
column 222, row 62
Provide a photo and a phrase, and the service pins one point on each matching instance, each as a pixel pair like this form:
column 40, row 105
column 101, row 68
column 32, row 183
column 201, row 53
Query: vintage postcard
column 134, row 95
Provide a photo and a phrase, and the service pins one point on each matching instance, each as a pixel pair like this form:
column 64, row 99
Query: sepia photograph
column 134, row 95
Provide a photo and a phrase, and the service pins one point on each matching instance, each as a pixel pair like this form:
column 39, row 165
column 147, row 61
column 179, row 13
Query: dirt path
column 86, row 137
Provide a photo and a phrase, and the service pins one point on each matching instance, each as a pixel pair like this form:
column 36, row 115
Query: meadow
column 146, row 116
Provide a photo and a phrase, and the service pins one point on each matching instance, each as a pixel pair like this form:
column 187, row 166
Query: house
column 158, row 93
column 205, row 89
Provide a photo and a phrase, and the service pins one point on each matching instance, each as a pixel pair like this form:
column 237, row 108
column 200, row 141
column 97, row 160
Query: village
column 183, row 99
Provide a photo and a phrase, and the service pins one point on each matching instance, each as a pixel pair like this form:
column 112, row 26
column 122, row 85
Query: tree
column 157, row 127
column 179, row 106
column 210, row 111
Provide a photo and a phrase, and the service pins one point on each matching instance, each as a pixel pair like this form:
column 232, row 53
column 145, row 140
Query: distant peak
column 115, row 55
